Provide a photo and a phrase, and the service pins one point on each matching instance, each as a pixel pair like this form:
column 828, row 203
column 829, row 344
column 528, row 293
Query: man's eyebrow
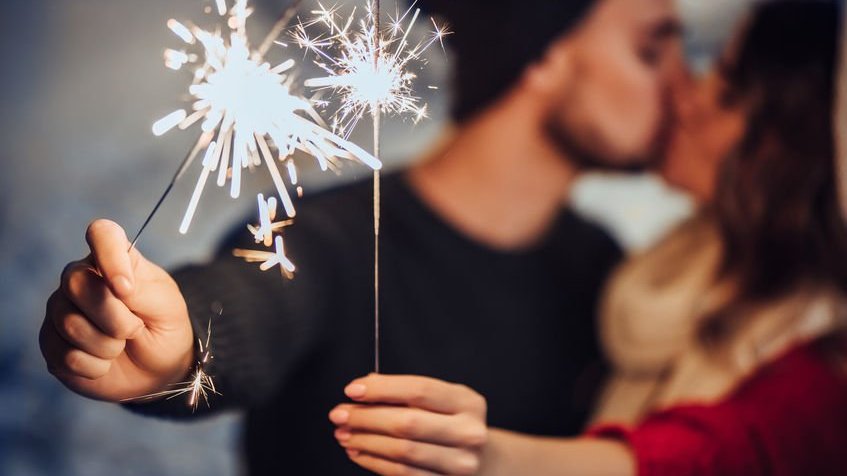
column 666, row 28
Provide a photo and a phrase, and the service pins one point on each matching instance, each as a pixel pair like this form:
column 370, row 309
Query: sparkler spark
column 198, row 386
column 368, row 68
column 249, row 114
column 264, row 233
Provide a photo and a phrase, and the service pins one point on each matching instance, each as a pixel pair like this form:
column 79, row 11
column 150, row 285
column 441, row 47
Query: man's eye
column 651, row 56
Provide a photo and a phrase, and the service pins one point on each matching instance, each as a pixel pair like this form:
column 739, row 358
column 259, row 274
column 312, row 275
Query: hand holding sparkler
column 118, row 326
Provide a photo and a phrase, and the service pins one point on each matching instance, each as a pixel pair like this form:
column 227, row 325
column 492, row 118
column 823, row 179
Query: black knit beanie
column 495, row 40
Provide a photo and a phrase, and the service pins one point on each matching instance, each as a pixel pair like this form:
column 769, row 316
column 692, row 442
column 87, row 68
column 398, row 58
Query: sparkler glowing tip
column 369, row 70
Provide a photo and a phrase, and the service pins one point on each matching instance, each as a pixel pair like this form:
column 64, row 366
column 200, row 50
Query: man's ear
column 553, row 72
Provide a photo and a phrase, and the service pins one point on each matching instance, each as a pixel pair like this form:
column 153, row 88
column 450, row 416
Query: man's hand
column 118, row 325
column 412, row 426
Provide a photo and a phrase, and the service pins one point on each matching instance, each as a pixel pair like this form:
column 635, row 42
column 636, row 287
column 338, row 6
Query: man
column 486, row 278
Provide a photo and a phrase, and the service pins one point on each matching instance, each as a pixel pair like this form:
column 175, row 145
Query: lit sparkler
column 198, row 386
column 248, row 113
column 264, row 233
column 369, row 68
column 370, row 72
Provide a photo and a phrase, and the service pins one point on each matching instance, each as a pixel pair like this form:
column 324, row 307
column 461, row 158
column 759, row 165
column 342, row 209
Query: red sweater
column 790, row 418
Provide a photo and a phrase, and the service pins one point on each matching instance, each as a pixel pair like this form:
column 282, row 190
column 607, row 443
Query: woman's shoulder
column 796, row 399
column 788, row 418
column 815, row 372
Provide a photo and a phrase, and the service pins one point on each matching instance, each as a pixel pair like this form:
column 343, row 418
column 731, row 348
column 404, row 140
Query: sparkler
column 264, row 233
column 249, row 114
column 198, row 386
column 371, row 74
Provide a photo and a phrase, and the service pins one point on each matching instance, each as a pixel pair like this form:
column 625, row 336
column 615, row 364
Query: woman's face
column 708, row 128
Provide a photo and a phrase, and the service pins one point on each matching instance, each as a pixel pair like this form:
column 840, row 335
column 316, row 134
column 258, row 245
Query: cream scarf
column 649, row 318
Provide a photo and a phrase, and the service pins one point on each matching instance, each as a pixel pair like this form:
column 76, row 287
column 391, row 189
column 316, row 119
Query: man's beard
column 578, row 152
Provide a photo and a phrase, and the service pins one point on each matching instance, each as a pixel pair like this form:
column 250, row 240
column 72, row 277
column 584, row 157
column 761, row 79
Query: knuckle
column 74, row 328
column 75, row 281
column 74, row 361
column 473, row 400
column 408, row 425
column 479, row 403
column 476, row 434
column 407, row 450
column 67, row 270
column 419, row 392
column 467, row 465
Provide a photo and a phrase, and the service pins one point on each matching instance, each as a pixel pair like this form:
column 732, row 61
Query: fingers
column 411, row 423
column 384, row 467
column 81, row 333
column 90, row 294
column 110, row 249
column 420, row 392
column 441, row 459
column 66, row 360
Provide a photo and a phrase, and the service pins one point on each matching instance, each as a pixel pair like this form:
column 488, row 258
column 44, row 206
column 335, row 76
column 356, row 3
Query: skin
column 118, row 327
column 409, row 425
column 606, row 97
column 707, row 131
column 614, row 109
column 418, row 426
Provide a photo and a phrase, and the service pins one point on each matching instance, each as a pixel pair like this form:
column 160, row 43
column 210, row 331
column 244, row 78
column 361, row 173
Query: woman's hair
column 777, row 202
column 493, row 42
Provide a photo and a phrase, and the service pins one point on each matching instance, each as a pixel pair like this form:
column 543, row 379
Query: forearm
column 514, row 454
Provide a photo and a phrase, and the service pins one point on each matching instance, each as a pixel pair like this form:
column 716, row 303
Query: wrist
column 491, row 453
column 182, row 366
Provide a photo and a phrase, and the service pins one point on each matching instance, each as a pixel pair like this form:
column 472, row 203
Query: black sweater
column 516, row 326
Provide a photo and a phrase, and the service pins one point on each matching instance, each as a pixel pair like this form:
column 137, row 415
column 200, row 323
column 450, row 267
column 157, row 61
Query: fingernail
column 339, row 417
column 342, row 434
column 355, row 390
column 352, row 453
column 123, row 286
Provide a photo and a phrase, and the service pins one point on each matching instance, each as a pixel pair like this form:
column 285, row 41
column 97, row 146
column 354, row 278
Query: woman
column 728, row 338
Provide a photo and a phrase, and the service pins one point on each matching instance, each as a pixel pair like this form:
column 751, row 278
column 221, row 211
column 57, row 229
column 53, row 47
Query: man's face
column 611, row 108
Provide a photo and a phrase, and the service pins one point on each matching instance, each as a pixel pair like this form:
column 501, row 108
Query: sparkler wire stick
column 375, row 113
column 371, row 76
column 183, row 167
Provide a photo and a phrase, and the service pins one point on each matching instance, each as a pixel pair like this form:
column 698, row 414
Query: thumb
column 111, row 255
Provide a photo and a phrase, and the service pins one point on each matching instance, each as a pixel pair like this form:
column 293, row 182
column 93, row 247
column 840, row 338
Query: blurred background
column 81, row 83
